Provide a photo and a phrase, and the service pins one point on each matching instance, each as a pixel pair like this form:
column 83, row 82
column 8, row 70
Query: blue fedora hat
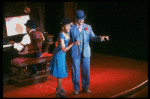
column 80, row 15
column 65, row 21
column 31, row 24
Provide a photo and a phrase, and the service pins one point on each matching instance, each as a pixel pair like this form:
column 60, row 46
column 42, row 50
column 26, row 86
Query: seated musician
column 31, row 44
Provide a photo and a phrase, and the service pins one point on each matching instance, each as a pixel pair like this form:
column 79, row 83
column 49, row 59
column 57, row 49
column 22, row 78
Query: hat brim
column 25, row 24
column 81, row 18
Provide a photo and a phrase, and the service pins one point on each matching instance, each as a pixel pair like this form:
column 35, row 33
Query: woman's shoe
column 56, row 93
column 60, row 95
column 63, row 91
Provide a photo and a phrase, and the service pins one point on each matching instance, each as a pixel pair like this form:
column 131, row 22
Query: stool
column 47, row 57
column 22, row 63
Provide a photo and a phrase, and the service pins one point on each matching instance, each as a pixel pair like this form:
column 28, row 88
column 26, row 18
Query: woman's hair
column 65, row 21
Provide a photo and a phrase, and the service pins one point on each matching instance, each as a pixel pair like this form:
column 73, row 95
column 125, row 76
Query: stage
column 110, row 77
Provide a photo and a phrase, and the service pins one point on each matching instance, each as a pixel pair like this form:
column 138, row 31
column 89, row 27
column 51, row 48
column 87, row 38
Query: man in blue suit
column 81, row 54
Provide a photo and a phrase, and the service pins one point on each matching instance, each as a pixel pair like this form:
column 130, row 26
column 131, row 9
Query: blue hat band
column 80, row 18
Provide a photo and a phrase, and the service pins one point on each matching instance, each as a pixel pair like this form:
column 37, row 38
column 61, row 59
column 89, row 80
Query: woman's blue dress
column 58, row 66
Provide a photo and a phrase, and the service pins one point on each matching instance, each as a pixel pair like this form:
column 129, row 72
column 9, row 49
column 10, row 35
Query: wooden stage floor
column 110, row 76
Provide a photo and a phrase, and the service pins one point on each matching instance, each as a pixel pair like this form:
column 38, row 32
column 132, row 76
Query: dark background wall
column 126, row 23
column 54, row 12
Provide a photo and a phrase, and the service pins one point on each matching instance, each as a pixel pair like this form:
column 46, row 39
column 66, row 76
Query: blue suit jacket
column 87, row 34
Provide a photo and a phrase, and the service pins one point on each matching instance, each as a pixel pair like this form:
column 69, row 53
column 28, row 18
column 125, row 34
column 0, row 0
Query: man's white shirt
column 26, row 40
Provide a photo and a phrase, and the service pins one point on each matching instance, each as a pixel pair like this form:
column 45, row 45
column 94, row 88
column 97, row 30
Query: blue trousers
column 85, row 72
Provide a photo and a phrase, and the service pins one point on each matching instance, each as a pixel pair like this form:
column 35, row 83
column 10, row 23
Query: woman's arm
column 64, row 49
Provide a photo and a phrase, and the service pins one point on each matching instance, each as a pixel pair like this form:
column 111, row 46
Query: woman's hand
column 77, row 42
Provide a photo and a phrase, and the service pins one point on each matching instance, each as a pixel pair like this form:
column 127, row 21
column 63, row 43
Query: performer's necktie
column 80, row 28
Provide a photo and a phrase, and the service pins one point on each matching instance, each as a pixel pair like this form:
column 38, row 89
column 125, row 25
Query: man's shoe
column 35, row 72
column 87, row 91
column 76, row 92
column 31, row 76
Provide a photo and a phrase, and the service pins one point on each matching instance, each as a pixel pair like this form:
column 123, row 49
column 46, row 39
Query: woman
column 58, row 67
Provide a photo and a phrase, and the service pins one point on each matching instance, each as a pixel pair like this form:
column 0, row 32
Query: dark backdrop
column 127, row 25
column 124, row 22
column 54, row 12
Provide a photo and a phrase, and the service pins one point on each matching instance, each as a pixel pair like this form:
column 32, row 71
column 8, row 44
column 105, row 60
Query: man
column 31, row 44
column 81, row 54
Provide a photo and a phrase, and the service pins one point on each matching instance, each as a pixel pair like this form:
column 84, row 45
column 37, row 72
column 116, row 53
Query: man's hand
column 12, row 42
column 107, row 37
column 104, row 37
